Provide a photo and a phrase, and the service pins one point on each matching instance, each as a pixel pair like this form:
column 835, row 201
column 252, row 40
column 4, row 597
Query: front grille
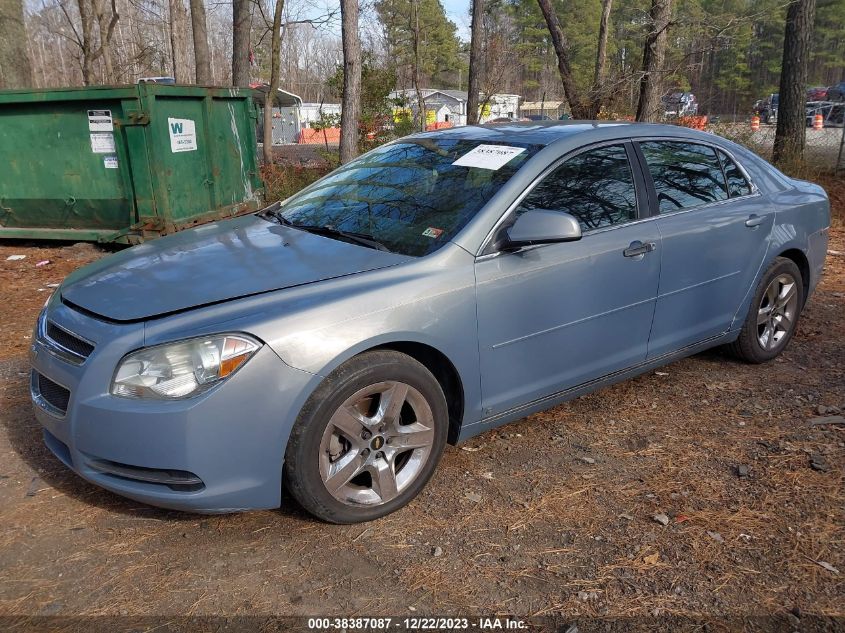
column 52, row 393
column 69, row 341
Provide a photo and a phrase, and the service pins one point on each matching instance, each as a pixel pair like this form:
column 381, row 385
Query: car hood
column 213, row 263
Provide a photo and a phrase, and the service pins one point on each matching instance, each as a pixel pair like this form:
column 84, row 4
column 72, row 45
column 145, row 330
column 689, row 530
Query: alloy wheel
column 376, row 443
column 777, row 312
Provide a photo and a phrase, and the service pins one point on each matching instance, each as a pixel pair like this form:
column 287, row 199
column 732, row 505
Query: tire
column 355, row 454
column 783, row 287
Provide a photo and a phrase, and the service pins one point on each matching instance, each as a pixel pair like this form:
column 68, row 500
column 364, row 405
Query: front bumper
column 219, row 452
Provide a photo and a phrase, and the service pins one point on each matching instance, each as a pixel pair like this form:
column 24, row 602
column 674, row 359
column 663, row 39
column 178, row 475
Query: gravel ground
column 702, row 490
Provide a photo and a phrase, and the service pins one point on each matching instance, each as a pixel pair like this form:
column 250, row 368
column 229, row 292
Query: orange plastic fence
column 695, row 122
column 310, row 136
column 440, row 125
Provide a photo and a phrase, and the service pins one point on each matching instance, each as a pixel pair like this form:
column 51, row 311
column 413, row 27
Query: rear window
column 737, row 183
column 685, row 175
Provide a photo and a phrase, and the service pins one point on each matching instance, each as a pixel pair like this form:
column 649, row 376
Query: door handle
column 638, row 249
column 754, row 220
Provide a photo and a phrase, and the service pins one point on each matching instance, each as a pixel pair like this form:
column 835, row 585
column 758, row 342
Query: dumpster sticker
column 110, row 162
column 102, row 143
column 183, row 135
column 100, row 121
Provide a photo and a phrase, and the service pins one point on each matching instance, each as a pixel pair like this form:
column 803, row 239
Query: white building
column 291, row 115
column 450, row 106
column 310, row 112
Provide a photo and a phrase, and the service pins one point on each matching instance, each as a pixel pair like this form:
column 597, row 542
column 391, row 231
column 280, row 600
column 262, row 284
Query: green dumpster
column 126, row 163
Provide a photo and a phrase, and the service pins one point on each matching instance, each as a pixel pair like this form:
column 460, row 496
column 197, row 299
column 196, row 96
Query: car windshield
column 410, row 196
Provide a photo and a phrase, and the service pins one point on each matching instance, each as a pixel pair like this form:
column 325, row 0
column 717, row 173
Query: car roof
column 548, row 132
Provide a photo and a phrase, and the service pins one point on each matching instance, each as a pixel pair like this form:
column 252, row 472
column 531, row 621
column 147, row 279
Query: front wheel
column 773, row 314
column 368, row 440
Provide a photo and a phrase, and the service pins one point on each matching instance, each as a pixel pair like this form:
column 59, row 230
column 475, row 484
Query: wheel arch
column 442, row 369
column 797, row 256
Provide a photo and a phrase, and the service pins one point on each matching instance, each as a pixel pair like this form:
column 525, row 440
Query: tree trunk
column 87, row 22
column 473, row 114
column 351, row 99
column 103, row 19
column 199, row 26
column 415, row 28
column 179, row 41
column 15, row 66
column 240, row 42
column 597, row 98
column 270, row 97
column 790, row 132
column 654, row 52
column 579, row 109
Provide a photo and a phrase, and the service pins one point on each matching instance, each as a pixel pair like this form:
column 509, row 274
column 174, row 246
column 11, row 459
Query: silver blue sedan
column 437, row 287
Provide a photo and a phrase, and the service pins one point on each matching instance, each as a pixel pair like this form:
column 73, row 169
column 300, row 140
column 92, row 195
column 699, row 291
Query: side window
column 596, row 186
column 737, row 184
column 685, row 175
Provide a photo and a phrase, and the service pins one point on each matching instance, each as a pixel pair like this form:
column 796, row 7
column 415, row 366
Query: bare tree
column 104, row 16
column 351, row 100
column 179, row 41
column 15, row 67
column 790, row 132
column 270, row 97
column 475, row 51
column 415, row 30
column 241, row 26
column 202, row 58
column 89, row 10
column 580, row 110
column 601, row 50
column 654, row 52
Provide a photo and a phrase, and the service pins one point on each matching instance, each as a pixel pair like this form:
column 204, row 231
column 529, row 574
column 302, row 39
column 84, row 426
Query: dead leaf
column 651, row 559
column 827, row 566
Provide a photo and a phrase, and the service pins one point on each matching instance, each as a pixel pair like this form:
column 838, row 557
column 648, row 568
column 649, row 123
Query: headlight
column 183, row 369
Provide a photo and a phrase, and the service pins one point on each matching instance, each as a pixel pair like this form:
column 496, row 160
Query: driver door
column 555, row 316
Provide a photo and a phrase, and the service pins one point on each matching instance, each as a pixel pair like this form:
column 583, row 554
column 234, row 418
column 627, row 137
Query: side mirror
column 541, row 226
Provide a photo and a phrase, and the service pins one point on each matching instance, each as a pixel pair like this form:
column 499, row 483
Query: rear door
column 714, row 236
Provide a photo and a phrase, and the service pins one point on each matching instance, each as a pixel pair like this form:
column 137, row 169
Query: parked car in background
column 832, row 113
column 817, row 93
column 767, row 109
column 432, row 289
column 836, row 92
column 678, row 104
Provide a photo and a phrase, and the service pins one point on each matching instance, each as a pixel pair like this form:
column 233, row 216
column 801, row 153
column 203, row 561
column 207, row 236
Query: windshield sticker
column 488, row 156
column 433, row 232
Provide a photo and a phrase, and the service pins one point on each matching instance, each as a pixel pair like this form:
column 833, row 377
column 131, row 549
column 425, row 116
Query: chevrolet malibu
column 436, row 287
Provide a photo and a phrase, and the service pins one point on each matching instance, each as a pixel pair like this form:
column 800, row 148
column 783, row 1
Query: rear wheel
column 773, row 315
column 368, row 440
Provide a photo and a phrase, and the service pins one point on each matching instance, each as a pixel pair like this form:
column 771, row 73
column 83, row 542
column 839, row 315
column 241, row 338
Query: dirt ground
column 553, row 515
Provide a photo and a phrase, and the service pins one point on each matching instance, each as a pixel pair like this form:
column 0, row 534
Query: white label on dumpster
column 488, row 156
column 100, row 121
column 102, row 143
column 110, row 162
column 183, row 135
